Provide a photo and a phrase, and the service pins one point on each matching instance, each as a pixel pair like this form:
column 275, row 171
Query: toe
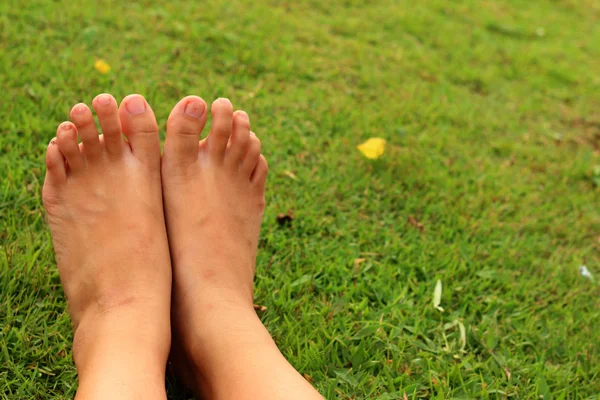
column 140, row 128
column 68, row 146
column 252, row 155
column 108, row 115
column 55, row 163
column 83, row 119
column 185, row 124
column 240, row 138
column 222, row 113
column 259, row 175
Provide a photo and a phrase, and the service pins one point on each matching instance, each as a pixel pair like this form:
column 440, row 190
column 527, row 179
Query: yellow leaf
column 102, row 66
column 372, row 148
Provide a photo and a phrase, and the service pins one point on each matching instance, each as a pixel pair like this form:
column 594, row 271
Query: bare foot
column 104, row 204
column 214, row 203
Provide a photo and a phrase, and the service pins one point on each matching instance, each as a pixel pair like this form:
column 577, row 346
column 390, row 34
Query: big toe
column 185, row 124
column 139, row 126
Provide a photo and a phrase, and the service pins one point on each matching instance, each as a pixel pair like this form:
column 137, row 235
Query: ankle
column 120, row 365
column 217, row 338
column 210, row 300
column 125, row 334
column 226, row 325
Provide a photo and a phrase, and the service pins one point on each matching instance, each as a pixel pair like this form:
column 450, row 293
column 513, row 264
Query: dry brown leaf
column 309, row 378
column 290, row 174
column 285, row 219
column 416, row 223
column 357, row 262
column 302, row 156
column 260, row 308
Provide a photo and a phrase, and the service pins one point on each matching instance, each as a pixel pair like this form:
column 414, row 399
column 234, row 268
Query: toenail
column 103, row 99
column 53, row 141
column 243, row 115
column 66, row 126
column 252, row 133
column 194, row 109
column 136, row 105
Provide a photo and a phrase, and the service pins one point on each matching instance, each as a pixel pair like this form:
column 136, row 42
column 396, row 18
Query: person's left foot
column 214, row 193
column 103, row 198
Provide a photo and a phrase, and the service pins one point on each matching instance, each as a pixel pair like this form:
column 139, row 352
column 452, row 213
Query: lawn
column 489, row 182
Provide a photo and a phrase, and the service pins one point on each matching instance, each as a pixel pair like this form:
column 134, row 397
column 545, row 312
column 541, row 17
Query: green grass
column 492, row 115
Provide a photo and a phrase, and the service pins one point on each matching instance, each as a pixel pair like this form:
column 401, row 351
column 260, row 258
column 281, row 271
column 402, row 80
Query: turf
column 489, row 182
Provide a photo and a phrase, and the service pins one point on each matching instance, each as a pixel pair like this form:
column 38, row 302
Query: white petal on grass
column 437, row 295
column 586, row 272
column 463, row 336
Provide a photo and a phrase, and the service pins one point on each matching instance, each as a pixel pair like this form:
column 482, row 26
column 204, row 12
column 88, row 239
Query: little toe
column 240, row 139
column 259, row 175
column 67, row 143
column 140, row 128
column 55, row 163
column 220, row 131
column 252, row 155
column 184, row 126
column 106, row 109
column 83, row 119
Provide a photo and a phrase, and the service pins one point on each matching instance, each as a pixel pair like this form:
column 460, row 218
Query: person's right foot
column 103, row 199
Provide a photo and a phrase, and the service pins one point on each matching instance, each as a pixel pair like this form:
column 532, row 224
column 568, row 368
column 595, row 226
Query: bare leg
column 104, row 204
column 214, row 204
